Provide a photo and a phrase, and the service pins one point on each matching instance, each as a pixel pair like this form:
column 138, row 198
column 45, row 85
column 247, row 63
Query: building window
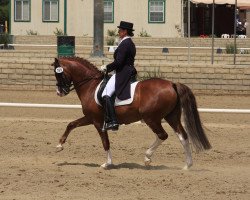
column 108, row 11
column 156, row 11
column 50, row 10
column 22, row 10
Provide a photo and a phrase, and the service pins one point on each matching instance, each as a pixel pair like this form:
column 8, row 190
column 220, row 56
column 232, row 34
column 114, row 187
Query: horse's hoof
column 106, row 166
column 59, row 148
column 187, row 167
column 147, row 161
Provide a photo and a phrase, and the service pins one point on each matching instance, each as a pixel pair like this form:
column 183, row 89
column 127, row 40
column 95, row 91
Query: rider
column 123, row 64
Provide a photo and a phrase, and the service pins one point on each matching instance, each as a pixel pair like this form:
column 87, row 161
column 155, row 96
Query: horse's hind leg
column 161, row 136
column 72, row 125
column 185, row 142
column 175, row 123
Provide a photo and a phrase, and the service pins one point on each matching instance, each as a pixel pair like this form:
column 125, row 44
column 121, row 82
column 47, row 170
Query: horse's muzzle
column 60, row 93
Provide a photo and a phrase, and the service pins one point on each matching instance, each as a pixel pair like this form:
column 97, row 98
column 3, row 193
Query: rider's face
column 122, row 32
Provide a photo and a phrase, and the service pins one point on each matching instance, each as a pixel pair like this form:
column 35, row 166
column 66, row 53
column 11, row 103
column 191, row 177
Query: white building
column 159, row 18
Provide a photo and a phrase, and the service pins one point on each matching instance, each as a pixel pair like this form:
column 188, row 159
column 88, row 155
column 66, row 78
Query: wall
column 205, row 78
column 143, row 41
column 80, row 18
column 36, row 24
column 137, row 12
column 31, row 69
column 202, row 78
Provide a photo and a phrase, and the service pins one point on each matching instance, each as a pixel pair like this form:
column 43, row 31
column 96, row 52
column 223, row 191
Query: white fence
column 66, row 106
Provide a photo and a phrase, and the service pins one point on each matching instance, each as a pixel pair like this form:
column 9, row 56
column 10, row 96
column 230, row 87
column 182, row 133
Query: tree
column 4, row 2
column 98, row 28
column 4, row 12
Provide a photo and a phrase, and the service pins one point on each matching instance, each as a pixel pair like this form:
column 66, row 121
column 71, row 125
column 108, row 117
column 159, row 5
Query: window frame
column 164, row 12
column 43, row 10
column 113, row 14
column 22, row 20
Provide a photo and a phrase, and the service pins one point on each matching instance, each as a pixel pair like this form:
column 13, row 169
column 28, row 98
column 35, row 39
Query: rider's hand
column 103, row 68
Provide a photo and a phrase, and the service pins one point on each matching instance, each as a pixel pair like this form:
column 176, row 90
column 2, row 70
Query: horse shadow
column 123, row 166
column 133, row 166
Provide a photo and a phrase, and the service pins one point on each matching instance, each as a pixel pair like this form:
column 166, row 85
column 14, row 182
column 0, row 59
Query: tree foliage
column 4, row 12
column 4, row 2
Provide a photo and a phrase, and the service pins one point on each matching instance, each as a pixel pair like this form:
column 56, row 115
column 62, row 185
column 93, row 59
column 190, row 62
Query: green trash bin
column 65, row 46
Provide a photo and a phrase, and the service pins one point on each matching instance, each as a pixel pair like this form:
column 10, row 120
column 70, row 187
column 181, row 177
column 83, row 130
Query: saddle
column 118, row 102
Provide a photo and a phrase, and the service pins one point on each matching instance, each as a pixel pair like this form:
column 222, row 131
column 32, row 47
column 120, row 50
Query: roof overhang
column 240, row 3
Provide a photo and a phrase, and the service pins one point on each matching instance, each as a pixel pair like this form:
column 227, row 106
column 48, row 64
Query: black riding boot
column 110, row 117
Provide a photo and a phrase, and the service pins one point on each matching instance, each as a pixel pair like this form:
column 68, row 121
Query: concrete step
column 80, row 50
column 140, row 41
column 152, row 56
column 140, row 49
column 146, row 61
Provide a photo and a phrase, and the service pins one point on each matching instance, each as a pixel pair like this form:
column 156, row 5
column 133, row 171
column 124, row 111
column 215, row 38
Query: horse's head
column 74, row 71
column 63, row 79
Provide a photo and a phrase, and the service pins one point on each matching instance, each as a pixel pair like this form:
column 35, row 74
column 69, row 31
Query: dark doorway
column 224, row 20
column 201, row 19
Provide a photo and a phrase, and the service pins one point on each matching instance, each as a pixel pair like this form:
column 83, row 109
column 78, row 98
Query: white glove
column 103, row 68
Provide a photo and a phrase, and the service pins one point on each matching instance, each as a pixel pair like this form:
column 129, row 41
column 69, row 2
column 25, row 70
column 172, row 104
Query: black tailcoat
column 124, row 57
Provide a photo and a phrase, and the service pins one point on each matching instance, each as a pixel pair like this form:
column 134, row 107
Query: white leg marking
column 188, row 152
column 151, row 150
column 59, row 147
column 109, row 160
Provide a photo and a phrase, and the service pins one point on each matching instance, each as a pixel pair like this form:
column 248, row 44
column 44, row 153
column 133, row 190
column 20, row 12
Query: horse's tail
column 191, row 118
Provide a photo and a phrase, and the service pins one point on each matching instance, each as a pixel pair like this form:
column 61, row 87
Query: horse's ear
column 56, row 63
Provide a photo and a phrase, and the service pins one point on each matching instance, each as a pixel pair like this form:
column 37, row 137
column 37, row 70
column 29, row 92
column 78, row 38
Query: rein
column 82, row 82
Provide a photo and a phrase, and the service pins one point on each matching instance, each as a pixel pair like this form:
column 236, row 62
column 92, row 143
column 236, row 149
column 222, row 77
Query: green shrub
column 110, row 41
column 112, row 34
column 151, row 73
column 4, row 39
column 31, row 32
column 58, row 32
column 230, row 49
column 144, row 33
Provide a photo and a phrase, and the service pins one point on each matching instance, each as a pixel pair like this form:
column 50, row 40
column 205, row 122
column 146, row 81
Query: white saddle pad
column 119, row 102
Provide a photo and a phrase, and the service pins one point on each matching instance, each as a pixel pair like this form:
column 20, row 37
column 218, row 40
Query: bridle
column 65, row 85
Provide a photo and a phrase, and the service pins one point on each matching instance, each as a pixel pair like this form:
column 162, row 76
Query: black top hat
column 126, row 25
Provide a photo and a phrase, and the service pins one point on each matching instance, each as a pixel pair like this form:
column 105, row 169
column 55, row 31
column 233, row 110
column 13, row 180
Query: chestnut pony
column 154, row 100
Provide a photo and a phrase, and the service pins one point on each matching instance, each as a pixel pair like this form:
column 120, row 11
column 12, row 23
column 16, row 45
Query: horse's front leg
column 106, row 145
column 72, row 125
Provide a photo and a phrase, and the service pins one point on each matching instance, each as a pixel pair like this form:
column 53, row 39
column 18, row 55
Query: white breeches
column 109, row 90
